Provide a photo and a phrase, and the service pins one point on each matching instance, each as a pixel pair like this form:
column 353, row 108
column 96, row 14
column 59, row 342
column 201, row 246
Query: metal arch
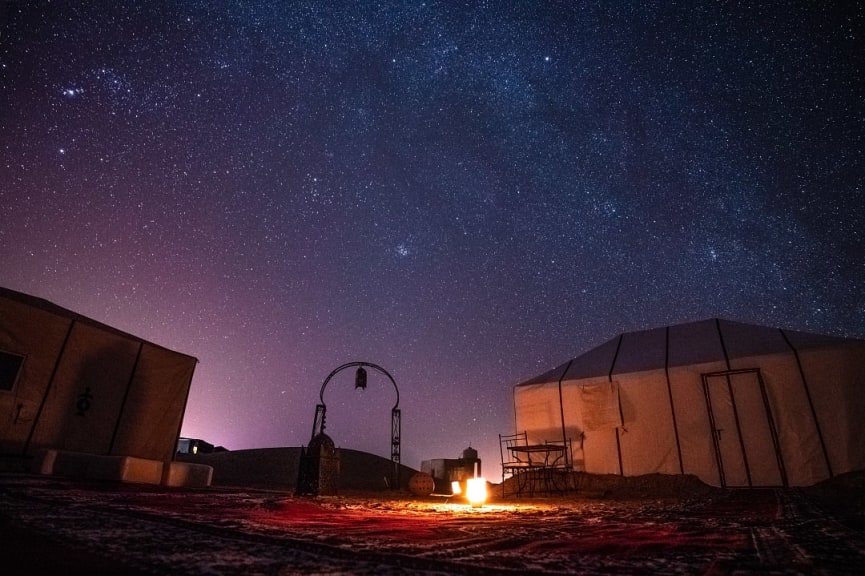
column 318, row 423
column 359, row 364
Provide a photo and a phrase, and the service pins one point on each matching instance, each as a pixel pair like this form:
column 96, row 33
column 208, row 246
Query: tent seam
column 51, row 382
column 810, row 402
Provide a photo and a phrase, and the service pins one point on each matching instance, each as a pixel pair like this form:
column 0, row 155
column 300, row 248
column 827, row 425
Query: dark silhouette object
column 318, row 473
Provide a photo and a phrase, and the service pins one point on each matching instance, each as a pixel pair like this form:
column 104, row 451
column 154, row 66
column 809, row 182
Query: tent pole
column 125, row 398
column 739, row 429
column 810, row 402
column 713, row 431
column 721, row 340
column 562, row 412
column 773, row 430
column 670, row 395
column 621, row 417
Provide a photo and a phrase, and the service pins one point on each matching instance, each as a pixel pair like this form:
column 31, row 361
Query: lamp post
column 360, row 381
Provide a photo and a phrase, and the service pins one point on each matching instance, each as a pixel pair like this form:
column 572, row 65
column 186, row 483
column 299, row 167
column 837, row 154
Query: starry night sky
column 464, row 193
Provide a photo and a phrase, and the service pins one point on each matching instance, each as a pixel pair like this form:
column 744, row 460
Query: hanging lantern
column 360, row 379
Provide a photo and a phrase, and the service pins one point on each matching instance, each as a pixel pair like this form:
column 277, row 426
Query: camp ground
column 735, row 404
column 647, row 416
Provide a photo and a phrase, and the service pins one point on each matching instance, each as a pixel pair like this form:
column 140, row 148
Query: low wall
column 277, row 469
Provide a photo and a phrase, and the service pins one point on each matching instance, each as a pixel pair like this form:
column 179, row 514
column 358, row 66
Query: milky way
column 464, row 193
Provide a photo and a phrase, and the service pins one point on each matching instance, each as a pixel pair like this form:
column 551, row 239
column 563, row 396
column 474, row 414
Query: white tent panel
column 154, row 406
column 600, row 452
column 84, row 400
column 695, row 432
column 647, row 437
column 540, row 414
column 747, row 446
column 836, row 379
column 801, row 455
column 759, row 441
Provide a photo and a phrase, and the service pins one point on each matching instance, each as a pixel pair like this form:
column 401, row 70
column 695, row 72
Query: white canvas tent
column 735, row 404
column 69, row 383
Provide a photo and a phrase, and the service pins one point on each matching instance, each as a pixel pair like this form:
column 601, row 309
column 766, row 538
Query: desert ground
column 602, row 525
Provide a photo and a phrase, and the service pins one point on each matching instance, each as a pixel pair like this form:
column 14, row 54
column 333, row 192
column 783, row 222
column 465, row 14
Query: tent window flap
column 10, row 366
column 601, row 406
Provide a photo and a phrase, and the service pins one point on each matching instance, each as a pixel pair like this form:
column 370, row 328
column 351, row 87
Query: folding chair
column 512, row 465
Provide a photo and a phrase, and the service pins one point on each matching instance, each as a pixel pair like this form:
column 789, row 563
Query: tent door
column 746, row 443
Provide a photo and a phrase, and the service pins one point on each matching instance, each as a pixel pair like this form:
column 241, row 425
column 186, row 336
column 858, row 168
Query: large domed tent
column 735, row 404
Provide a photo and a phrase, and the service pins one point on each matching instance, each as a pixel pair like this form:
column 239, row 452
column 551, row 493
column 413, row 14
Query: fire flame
column 476, row 491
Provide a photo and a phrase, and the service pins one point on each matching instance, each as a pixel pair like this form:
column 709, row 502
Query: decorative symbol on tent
column 84, row 401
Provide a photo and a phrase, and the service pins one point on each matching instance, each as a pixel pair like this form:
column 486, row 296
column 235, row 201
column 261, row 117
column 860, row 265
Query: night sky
column 464, row 193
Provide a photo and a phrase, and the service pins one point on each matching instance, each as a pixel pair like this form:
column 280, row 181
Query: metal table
column 536, row 464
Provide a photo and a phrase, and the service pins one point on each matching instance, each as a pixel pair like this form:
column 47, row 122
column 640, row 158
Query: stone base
column 127, row 469
column 187, row 475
